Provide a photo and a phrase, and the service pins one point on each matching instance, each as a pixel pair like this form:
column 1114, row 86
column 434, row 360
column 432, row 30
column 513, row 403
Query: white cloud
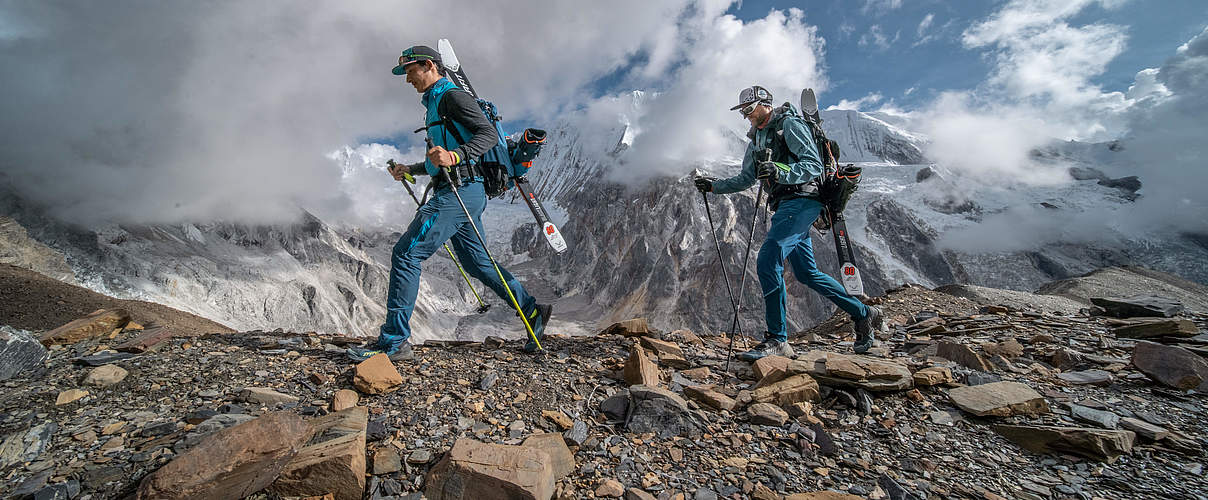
column 877, row 38
column 861, row 104
column 924, row 25
column 183, row 111
column 880, row 7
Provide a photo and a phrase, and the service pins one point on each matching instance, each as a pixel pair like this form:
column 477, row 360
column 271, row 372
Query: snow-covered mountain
column 641, row 250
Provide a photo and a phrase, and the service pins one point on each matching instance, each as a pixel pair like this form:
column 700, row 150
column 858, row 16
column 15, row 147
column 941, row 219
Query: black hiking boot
column 866, row 327
column 768, row 348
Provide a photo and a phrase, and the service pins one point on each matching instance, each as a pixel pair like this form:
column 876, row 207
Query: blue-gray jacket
column 797, row 137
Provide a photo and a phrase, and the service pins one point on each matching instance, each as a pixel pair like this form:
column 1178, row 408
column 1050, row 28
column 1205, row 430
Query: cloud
column 170, row 111
column 861, row 104
column 877, row 38
column 924, row 25
column 879, row 7
column 688, row 119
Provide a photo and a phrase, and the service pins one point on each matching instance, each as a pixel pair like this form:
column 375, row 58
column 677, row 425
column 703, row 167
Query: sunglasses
column 748, row 109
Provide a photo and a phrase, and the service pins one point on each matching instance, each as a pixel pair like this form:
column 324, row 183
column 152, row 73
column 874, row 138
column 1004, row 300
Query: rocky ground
column 958, row 400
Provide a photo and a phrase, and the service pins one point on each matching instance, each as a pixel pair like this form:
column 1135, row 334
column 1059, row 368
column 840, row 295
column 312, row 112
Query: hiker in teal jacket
column 788, row 176
column 458, row 135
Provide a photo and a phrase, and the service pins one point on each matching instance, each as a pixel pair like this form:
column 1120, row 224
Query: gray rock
column 1104, row 419
column 1086, row 377
column 20, row 352
column 61, row 491
column 980, row 378
column 1139, row 306
column 652, row 409
column 1173, row 366
column 616, row 407
column 25, row 446
column 104, row 358
column 488, row 380
column 704, row 494
column 210, row 426
column 577, row 434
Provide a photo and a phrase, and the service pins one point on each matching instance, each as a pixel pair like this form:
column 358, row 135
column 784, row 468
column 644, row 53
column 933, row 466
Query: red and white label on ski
column 850, row 276
column 554, row 237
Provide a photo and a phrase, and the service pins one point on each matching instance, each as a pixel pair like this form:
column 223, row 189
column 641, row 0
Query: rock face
column 231, row 463
column 20, row 352
column 1096, row 444
column 1173, row 366
column 377, row 375
column 334, row 462
column 473, row 470
column 999, row 399
column 94, row 325
column 864, row 372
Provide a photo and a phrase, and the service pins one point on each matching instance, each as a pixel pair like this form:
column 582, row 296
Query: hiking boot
column 538, row 319
column 865, row 328
column 402, row 353
column 768, row 348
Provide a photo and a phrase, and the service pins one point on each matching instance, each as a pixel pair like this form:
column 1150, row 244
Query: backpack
column 509, row 157
column 837, row 184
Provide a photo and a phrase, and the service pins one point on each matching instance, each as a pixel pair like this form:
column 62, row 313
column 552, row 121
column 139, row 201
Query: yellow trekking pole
column 407, row 178
column 483, row 241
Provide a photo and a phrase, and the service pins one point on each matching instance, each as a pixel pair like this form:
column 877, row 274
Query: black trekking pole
column 483, row 242
column 745, row 260
column 721, row 262
column 482, row 306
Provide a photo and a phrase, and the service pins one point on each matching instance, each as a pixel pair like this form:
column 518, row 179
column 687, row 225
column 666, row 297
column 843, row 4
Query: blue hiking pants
column 789, row 237
column 441, row 219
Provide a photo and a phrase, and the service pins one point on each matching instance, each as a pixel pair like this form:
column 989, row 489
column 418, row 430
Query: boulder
column 1086, row 377
column 333, row 462
column 473, row 470
column 767, row 414
column 231, row 463
column 105, row 375
column 561, row 459
column 639, row 369
column 853, row 371
column 616, row 407
column 999, row 399
column 377, row 375
column 659, row 411
column 20, row 352
column 963, row 355
column 344, row 399
column 1138, row 306
column 102, row 322
column 793, row 389
column 1157, row 328
column 630, row 328
column 1096, row 444
column 265, row 396
column 934, row 375
column 1172, row 366
column 709, row 396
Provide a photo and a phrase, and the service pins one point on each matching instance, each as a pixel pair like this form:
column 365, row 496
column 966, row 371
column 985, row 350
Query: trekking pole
column 722, row 264
column 745, row 260
column 483, row 241
column 482, row 306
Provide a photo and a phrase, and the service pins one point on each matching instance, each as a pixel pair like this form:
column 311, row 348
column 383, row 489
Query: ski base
column 548, row 229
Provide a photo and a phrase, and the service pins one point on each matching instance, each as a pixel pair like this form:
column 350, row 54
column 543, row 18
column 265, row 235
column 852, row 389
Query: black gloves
column 704, row 184
column 766, row 170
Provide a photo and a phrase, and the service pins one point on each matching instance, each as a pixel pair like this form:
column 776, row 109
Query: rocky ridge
column 957, row 400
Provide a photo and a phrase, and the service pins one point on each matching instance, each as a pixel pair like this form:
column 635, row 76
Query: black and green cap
column 416, row 54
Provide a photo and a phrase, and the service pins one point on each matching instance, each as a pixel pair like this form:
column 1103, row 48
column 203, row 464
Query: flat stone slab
column 1157, row 328
column 19, row 352
column 1086, row 377
column 853, row 371
column 1096, row 444
column 999, row 399
column 1139, row 306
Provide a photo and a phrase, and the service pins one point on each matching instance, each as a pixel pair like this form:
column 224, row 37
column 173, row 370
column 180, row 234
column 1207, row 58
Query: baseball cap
column 416, row 54
column 752, row 94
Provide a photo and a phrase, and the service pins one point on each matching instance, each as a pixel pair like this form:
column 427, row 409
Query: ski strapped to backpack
column 835, row 188
column 506, row 163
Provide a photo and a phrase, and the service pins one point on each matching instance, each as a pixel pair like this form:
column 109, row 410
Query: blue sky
column 874, row 47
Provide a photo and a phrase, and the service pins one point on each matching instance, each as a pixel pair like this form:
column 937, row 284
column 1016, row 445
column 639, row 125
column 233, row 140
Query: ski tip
column 447, row 56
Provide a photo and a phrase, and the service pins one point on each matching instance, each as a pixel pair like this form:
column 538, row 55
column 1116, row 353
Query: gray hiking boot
column 768, row 348
column 402, row 353
column 866, row 327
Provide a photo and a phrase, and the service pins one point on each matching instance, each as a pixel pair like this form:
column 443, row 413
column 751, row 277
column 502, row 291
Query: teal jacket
column 797, row 137
column 470, row 134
